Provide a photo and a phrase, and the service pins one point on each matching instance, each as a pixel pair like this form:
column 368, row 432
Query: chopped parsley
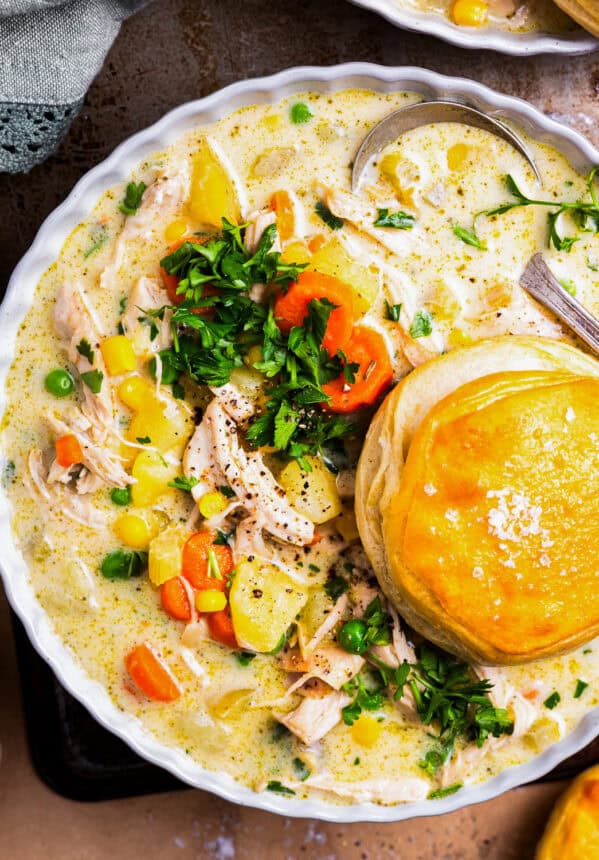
column 93, row 380
column 585, row 214
column 553, row 700
column 184, row 484
column 123, row 564
column 222, row 538
column 396, row 220
column 445, row 792
column 469, row 237
column 366, row 697
column 393, row 311
column 592, row 265
column 300, row 113
column 8, row 473
column 244, row 658
column 143, row 440
column 580, row 688
column 336, row 586
column 278, row 787
column 84, row 349
column 226, row 491
column 132, row 199
column 98, row 237
column 301, row 769
column 422, row 324
column 325, row 214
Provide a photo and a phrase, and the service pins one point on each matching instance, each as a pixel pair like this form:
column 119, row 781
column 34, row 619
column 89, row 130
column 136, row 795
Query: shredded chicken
column 147, row 295
column 384, row 791
column 362, row 215
column 258, row 222
column 314, row 718
column 330, row 622
column 96, row 458
column 59, row 497
column 236, row 404
column 163, row 199
column 330, row 664
column 417, row 350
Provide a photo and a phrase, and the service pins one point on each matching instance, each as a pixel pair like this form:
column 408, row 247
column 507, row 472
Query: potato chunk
column 264, row 602
column 314, row 493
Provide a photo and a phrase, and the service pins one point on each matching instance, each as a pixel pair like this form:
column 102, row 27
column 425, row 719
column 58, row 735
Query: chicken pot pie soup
column 202, row 363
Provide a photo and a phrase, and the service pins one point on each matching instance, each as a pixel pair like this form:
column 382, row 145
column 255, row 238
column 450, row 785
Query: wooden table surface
column 173, row 51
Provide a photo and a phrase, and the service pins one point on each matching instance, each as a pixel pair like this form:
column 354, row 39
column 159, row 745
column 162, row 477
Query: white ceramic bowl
column 19, row 296
column 491, row 38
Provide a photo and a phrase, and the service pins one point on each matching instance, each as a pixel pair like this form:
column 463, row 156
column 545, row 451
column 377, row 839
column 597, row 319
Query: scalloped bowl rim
column 42, row 253
column 488, row 38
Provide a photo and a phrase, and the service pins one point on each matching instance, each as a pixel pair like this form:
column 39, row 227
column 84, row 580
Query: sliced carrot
column 198, row 550
column 291, row 308
column 221, row 627
column 68, row 450
column 171, row 282
column 174, row 599
column 316, row 243
column 366, row 348
column 282, row 205
column 151, row 675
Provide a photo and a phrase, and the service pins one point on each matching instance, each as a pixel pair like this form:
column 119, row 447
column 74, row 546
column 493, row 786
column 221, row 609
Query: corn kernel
column 176, row 230
column 211, row 504
column 456, row 155
column 134, row 392
column 366, row 730
column 118, row 355
column 210, row 600
column 470, row 13
column 132, row 530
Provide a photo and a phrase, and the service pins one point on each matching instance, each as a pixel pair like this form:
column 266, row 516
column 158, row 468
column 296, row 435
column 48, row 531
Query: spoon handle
column 539, row 281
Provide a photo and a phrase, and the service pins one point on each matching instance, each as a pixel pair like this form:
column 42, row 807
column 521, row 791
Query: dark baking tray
column 81, row 760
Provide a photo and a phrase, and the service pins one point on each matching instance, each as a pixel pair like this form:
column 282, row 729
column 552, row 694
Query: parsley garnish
column 244, row 658
column 222, row 538
column 580, row 688
column 422, row 324
column 84, row 349
column 301, row 768
column 184, row 484
column 553, row 700
column 445, row 792
column 584, row 214
column 275, row 785
column 336, row 586
column 98, row 236
column 367, row 698
column 300, row 113
column 397, row 220
column 8, row 473
column 393, row 311
column 594, row 267
column 132, row 199
column 469, row 237
column 143, row 440
column 123, row 564
column 325, row 214
column 226, row 491
column 93, row 380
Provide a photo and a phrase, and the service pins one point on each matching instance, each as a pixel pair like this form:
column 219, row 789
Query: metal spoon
column 540, row 282
column 424, row 113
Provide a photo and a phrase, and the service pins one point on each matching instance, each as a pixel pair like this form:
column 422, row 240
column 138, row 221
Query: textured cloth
column 50, row 52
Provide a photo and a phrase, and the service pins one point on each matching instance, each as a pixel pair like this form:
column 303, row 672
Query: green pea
column 352, row 636
column 169, row 373
column 121, row 495
column 59, row 382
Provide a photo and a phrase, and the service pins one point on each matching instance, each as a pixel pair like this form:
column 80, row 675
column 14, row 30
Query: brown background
column 173, row 51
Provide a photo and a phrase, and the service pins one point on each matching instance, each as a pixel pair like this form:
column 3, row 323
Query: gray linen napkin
column 50, row 51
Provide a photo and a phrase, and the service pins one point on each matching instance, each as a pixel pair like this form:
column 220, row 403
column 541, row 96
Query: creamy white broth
column 517, row 16
column 471, row 294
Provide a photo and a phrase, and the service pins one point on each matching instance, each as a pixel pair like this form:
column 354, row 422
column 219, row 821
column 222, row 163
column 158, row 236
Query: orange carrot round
column 366, row 348
column 204, row 561
column 221, row 627
column 291, row 308
column 282, row 205
column 68, row 450
column 151, row 675
column 174, row 599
